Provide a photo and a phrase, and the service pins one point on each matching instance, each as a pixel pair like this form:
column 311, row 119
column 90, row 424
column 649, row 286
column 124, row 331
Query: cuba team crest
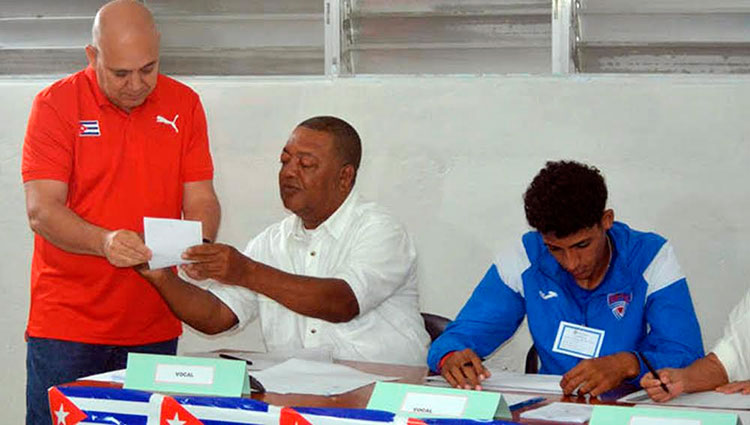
column 618, row 303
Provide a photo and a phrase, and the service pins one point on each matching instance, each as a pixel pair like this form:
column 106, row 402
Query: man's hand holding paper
column 217, row 261
column 125, row 248
column 168, row 239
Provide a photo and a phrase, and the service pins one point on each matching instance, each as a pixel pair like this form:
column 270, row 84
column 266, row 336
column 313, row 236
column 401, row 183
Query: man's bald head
column 123, row 19
column 125, row 52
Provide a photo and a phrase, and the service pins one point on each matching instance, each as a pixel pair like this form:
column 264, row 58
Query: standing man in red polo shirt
column 105, row 147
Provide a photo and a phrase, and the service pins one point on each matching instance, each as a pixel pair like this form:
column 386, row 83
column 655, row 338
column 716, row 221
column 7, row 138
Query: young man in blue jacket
column 599, row 296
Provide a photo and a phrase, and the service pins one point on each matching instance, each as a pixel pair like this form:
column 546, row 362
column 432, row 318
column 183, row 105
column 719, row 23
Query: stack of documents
column 512, row 381
column 712, row 399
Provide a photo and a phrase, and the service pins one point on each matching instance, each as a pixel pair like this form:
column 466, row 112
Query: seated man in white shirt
column 726, row 368
column 340, row 272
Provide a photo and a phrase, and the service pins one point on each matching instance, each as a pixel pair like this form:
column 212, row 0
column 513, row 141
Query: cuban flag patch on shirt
column 618, row 303
column 89, row 128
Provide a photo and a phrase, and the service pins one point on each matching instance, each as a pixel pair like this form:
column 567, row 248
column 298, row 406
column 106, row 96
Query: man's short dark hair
column 345, row 137
column 565, row 197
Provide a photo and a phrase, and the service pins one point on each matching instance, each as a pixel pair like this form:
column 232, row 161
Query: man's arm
column 50, row 217
column 723, row 364
column 674, row 335
column 674, row 338
column 199, row 202
column 488, row 319
column 329, row 299
column 195, row 306
column 704, row 374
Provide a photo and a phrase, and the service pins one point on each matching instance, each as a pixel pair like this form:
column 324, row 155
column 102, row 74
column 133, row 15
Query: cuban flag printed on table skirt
column 81, row 405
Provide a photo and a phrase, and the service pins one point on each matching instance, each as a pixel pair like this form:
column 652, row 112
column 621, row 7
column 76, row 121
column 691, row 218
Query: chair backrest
column 532, row 361
column 434, row 324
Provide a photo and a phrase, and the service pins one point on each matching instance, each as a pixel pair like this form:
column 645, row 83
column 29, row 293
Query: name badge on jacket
column 578, row 341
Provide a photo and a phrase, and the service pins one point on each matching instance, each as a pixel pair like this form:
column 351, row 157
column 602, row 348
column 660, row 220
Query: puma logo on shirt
column 161, row 120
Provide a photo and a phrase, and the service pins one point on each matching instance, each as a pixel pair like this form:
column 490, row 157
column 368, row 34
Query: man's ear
column 608, row 218
column 91, row 54
column 346, row 177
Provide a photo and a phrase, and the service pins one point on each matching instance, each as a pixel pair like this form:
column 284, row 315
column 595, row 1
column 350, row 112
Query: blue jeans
column 52, row 362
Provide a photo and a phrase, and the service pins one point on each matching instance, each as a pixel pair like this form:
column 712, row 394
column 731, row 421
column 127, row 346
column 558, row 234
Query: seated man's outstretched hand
column 216, row 261
column 464, row 369
column 735, row 387
column 672, row 378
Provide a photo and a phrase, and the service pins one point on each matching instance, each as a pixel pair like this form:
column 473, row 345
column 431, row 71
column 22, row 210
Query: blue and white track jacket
column 643, row 304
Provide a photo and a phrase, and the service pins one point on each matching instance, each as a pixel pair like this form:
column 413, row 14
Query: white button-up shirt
column 362, row 245
column 733, row 349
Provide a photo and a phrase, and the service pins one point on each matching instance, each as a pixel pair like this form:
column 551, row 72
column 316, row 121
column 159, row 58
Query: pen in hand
column 653, row 372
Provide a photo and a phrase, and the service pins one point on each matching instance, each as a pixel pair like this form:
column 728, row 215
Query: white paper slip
column 711, row 399
column 297, row 376
column 168, row 239
column 561, row 412
column 113, row 376
column 512, row 381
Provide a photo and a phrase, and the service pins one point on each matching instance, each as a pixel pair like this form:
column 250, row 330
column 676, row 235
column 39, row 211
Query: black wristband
column 206, row 240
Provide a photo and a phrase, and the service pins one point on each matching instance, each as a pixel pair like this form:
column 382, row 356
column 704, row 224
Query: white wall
column 451, row 157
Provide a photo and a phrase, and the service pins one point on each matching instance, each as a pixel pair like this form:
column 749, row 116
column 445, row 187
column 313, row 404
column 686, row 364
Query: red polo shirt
column 119, row 167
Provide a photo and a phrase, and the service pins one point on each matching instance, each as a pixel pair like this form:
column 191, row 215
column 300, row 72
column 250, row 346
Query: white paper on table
column 261, row 361
column 512, row 381
column 113, row 376
column 713, row 399
column 297, row 376
column 743, row 415
column 561, row 412
column 169, row 238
